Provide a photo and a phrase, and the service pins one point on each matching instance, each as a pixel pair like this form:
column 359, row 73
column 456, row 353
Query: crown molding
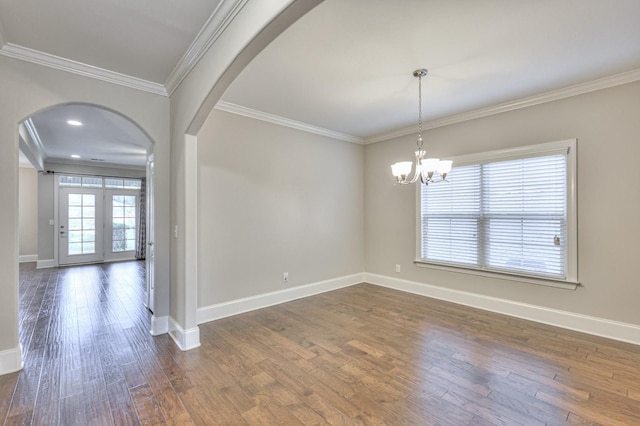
column 554, row 95
column 221, row 17
column 63, row 64
column 276, row 119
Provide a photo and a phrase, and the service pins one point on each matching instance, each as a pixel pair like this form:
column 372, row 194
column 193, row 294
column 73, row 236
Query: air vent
column 97, row 159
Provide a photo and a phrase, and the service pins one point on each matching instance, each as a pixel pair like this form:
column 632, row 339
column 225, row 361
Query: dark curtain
column 141, row 249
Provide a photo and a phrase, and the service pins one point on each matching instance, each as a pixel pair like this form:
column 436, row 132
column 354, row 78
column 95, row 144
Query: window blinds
column 505, row 216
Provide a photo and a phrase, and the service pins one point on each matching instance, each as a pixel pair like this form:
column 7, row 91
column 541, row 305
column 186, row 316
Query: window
column 115, row 183
column 124, row 223
column 80, row 181
column 509, row 211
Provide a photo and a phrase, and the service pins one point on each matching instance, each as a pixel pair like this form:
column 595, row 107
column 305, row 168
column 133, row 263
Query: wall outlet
column 285, row 277
column 397, row 268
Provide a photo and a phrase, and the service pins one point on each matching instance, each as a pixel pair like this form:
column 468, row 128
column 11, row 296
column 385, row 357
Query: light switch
column 50, row 222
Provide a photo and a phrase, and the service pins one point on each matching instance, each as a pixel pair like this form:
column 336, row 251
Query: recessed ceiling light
column 75, row 156
column 74, row 122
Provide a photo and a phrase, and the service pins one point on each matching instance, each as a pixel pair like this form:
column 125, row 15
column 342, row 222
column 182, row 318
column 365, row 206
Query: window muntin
column 506, row 212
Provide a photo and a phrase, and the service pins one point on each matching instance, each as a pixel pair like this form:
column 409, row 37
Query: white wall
column 28, row 211
column 607, row 127
column 28, row 88
column 273, row 199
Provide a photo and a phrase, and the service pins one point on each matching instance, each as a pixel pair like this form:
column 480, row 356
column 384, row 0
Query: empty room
column 320, row 212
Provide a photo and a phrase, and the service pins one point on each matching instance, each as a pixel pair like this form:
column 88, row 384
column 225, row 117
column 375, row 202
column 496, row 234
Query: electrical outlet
column 285, row 277
column 397, row 268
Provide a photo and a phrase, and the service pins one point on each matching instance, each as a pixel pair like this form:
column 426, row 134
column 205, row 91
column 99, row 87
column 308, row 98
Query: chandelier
column 428, row 170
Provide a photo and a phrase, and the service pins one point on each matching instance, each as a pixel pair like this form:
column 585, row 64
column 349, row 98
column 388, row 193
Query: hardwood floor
column 359, row 355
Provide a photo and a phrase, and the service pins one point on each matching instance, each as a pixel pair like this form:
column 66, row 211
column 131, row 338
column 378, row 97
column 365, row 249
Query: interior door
column 151, row 248
column 81, row 226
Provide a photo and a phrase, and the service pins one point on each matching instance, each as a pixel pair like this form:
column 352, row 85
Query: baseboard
column 46, row 263
column 185, row 339
column 615, row 330
column 11, row 360
column 159, row 325
column 27, row 258
column 234, row 307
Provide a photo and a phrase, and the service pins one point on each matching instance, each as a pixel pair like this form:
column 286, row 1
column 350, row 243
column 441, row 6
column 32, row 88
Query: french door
column 81, row 231
column 98, row 223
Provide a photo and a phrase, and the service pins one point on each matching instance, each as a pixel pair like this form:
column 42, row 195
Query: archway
column 85, row 141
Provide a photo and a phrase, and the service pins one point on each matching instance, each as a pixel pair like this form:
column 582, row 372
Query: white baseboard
column 185, row 339
column 159, row 325
column 46, row 263
column 624, row 332
column 238, row 306
column 11, row 360
column 27, row 258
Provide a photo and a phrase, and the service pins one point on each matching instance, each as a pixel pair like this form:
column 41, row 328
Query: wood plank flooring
column 356, row 356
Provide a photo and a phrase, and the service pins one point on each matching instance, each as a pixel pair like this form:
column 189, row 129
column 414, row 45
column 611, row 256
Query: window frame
column 568, row 147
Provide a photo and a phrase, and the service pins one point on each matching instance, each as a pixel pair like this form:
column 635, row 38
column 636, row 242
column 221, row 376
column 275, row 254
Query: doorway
column 98, row 219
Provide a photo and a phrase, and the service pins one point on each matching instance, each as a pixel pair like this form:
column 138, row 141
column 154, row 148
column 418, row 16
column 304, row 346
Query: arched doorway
column 95, row 166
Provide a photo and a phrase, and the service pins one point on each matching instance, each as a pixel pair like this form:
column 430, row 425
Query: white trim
column 221, row 17
column 27, row 258
column 616, row 330
column 46, row 263
column 63, row 64
column 238, row 306
column 11, row 360
column 185, row 339
column 159, row 325
column 282, row 121
column 554, row 95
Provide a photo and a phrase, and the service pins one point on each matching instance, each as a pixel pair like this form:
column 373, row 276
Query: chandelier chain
column 420, row 112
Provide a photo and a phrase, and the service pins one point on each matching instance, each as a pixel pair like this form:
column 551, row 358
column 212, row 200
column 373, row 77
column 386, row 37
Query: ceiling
column 104, row 138
column 144, row 39
column 346, row 67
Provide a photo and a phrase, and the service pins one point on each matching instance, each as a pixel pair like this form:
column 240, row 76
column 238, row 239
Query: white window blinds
column 503, row 216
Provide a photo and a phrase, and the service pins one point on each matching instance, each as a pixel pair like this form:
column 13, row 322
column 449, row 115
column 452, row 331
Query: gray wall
column 28, row 211
column 607, row 127
column 272, row 199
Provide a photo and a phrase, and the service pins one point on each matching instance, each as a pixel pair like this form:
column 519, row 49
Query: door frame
column 150, row 233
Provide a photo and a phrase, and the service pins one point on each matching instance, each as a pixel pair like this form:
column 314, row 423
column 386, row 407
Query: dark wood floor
column 360, row 355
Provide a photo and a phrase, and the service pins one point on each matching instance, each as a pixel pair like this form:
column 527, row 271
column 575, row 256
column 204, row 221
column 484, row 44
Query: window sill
column 548, row 282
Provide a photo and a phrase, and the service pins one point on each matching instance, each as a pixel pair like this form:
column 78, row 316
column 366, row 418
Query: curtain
column 141, row 249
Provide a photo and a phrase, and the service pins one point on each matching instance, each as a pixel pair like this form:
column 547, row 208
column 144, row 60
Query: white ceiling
column 104, row 138
column 144, row 38
column 346, row 66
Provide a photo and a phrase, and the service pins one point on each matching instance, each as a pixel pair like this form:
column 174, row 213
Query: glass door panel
column 80, row 233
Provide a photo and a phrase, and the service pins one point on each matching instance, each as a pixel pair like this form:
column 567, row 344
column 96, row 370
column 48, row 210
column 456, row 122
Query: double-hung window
column 507, row 212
